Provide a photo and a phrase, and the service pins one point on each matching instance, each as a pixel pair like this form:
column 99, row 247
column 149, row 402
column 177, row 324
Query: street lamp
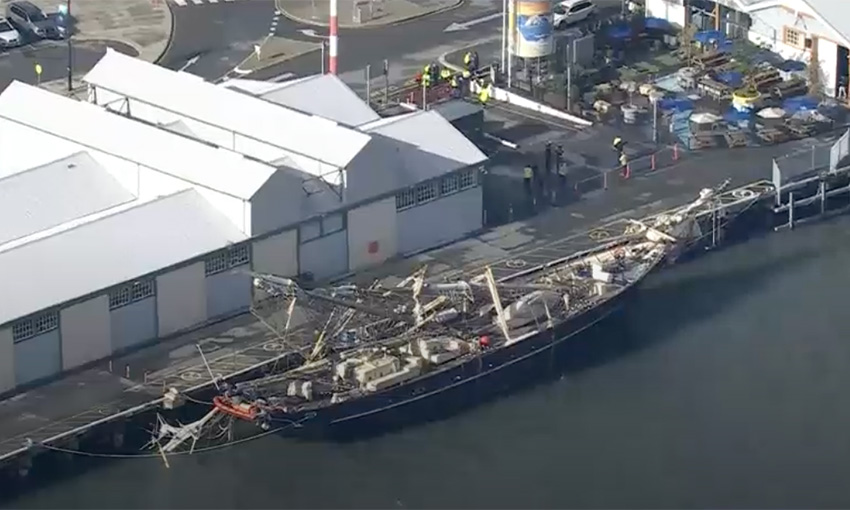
column 65, row 16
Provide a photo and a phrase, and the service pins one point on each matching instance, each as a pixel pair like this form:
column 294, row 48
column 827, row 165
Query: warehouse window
column 794, row 38
column 239, row 255
column 226, row 259
column 405, row 199
column 215, row 263
column 131, row 293
column 426, row 192
column 468, row 178
column 332, row 223
column 38, row 325
column 449, row 184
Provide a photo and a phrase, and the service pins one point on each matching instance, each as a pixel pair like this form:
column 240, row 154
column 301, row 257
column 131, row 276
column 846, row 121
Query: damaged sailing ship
column 447, row 339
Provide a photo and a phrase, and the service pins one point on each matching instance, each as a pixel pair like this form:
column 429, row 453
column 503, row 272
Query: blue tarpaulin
column 675, row 105
column 658, row 24
column 792, row 66
column 619, row 31
column 800, row 104
column 734, row 116
column 731, row 78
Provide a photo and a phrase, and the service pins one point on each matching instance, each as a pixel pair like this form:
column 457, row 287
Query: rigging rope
column 159, row 455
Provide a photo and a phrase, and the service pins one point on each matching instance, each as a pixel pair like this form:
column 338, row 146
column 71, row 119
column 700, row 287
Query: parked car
column 9, row 37
column 573, row 11
column 30, row 20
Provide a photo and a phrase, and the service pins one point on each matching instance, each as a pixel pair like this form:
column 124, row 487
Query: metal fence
column 665, row 156
column 804, row 161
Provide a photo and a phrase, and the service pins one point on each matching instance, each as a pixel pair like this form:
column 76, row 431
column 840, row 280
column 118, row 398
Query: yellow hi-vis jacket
column 446, row 73
column 623, row 160
column 527, row 173
column 467, row 58
column 453, row 82
column 484, row 94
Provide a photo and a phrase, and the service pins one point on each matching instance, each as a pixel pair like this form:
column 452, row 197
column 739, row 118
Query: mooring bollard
column 126, row 371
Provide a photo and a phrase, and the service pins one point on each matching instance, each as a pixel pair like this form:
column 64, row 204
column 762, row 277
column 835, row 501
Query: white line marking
column 197, row 2
column 181, row 3
column 213, row 1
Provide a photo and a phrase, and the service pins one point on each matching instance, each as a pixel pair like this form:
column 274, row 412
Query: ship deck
column 64, row 408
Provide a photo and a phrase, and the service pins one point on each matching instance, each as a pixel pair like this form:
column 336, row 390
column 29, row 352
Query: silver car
column 29, row 19
column 9, row 37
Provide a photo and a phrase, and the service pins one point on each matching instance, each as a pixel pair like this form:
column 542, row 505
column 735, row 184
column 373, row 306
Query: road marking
column 181, row 3
column 197, row 2
column 213, row 1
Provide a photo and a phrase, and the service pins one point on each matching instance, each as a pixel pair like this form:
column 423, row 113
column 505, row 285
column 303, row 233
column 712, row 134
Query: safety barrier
column 637, row 166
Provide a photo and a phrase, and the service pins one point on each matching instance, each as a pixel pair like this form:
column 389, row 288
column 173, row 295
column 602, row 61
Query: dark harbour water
column 727, row 384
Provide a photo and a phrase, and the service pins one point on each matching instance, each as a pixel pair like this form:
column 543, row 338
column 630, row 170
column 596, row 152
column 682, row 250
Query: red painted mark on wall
column 373, row 247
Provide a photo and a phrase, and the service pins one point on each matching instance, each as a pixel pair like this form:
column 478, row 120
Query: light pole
column 65, row 14
column 504, row 34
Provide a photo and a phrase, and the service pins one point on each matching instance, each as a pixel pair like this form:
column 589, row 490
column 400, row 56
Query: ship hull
column 453, row 389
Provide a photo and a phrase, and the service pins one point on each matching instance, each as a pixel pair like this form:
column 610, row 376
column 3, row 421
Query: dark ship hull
column 454, row 388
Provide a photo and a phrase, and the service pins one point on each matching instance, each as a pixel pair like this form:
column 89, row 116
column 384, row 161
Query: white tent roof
column 112, row 250
column 96, row 128
column 317, row 138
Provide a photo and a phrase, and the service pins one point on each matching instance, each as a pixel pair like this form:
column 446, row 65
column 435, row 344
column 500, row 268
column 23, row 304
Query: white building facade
column 795, row 29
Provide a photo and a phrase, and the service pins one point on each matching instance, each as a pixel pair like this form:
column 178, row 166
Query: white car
column 9, row 37
column 573, row 11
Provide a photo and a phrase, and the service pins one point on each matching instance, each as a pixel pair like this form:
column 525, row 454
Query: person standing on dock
column 547, row 158
column 624, row 165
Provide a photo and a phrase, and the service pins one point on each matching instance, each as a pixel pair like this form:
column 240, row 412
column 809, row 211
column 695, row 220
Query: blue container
column 800, row 104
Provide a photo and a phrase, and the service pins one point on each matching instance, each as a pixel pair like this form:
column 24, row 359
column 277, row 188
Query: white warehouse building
column 128, row 224
column 356, row 196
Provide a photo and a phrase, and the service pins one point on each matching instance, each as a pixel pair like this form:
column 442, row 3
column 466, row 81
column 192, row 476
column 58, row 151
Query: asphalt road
column 407, row 46
column 221, row 35
column 19, row 63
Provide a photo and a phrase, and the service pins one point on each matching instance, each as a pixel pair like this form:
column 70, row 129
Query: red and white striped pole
column 334, row 42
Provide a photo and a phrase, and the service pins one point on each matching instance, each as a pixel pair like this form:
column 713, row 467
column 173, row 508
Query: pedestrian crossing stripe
column 185, row 3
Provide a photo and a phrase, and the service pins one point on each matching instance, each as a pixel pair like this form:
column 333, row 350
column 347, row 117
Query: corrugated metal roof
column 324, row 95
column 110, row 251
column 456, row 109
column 314, row 137
column 431, row 133
column 253, row 87
column 96, row 128
column 55, row 193
column 180, row 127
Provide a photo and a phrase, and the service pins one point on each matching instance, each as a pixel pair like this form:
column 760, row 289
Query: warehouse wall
column 133, row 324
column 7, row 360
column 228, row 292
column 181, row 299
column 323, row 252
column 38, row 357
column 372, row 234
column 277, row 254
column 276, row 204
column 439, row 221
column 671, row 10
column 85, row 331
